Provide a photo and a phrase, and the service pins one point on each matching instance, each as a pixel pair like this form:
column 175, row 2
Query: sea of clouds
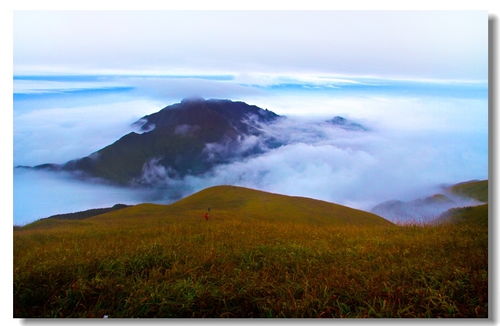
column 414, row 143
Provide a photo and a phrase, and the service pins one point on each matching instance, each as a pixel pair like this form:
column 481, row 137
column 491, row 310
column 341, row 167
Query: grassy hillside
column 477, row 215
column 259, row 255
column 473, row 189
column 244, row 203
column 238, row 203
column 87, row 213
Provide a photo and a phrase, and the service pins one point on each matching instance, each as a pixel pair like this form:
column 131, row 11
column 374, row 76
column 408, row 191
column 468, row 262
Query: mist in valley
column 410, row 148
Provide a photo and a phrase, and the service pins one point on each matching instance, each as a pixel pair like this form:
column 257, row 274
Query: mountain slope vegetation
column 87, row 213
column 476, row 189
column 428, row 209
column 238, row 203
column 475, row 215
column 257, row 255
column 187, row 138
column 184, row 138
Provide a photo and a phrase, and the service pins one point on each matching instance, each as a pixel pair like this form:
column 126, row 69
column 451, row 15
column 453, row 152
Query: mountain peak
column 190, row 137
column 211, row 113
column 194, row 99
column 346, row 124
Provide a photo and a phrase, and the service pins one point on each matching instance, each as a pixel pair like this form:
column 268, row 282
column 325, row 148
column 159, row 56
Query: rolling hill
column 471, row 215
column 476, row 189
column 235, row 203
column 254, row 204
column 475, row 215
column 415, row 211
column 428, row 209
column 258, row 255
column 87, row 213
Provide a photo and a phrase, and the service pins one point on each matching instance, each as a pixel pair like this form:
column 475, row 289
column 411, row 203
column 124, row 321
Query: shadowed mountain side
column 190, row 137
column 60, row 219
column 346, row 124
column 88, row 213
column 238, row 203
column 187, row 138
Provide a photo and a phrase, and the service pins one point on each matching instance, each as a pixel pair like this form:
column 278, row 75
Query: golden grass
column 167, row 261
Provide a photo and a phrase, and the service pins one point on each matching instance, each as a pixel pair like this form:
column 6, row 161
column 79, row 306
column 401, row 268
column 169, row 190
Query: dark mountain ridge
column 208, row 113
column 189, row 137
column 343, row 123
column 80, row 215
column 186, row 138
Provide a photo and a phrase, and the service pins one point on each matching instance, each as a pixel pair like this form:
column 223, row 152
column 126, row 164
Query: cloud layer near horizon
column 439, row 44
column 415, row 142
column 60, row 134
column 358, row 169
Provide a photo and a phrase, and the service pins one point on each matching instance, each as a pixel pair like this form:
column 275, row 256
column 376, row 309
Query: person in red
column 206, row 216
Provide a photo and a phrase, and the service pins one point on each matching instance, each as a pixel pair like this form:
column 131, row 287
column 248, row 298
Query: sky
column 416, row 80
column 407, row 44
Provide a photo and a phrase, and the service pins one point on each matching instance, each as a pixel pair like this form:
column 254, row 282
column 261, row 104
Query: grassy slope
column 230, row 202
column 254, row 258
column 253, row 204
column 474, row 189
column 87, row 213
column 476, row 215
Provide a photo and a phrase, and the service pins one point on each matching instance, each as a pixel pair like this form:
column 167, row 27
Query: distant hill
column 423, row 210
column 189, row 137
column 418, row 210
column 88, row 213
column 476, row 189
column 346, row 124
column 476, row 215
column 238, row 203
column 60, row 219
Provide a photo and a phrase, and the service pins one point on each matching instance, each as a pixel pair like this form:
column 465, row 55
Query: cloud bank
column 60, row 134
column 39, row 194
column 414, row 143
column 354, row 168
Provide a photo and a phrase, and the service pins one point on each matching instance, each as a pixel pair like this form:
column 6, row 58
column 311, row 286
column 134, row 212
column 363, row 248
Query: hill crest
column 238, row 203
